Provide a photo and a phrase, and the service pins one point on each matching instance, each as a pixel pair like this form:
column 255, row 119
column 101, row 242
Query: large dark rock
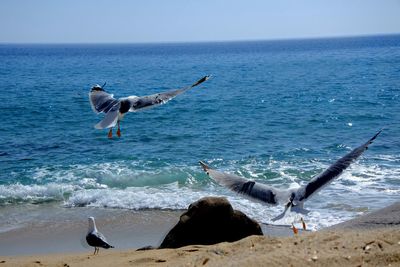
column 209, row 221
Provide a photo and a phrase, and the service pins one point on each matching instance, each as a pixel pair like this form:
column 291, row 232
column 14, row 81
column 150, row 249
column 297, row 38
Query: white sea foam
column 171, row 196
column 37, row 193
column 175, row 197
column 137, row 185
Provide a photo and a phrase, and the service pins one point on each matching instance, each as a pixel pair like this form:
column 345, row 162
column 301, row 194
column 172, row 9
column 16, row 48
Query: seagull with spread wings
column 115, row 109
column 292, row 198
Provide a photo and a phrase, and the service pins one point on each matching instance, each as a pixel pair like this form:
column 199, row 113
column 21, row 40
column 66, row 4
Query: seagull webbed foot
column 303, row 223
column 119, row 130
column 295, row 230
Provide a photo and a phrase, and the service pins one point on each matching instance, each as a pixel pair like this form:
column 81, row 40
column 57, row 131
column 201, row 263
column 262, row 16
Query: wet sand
column 63, row 230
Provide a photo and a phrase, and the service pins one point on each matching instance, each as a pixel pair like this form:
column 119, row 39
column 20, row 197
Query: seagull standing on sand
column 115, row 109
column 293, row 198
column 95, row 238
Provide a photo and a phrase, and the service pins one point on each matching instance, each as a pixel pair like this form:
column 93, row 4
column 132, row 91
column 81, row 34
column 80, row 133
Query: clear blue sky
column 107, row 21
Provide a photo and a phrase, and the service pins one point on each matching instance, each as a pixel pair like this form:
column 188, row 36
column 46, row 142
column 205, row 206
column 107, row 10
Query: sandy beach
column 371, row 240
column 379, row 247
column 63, row 230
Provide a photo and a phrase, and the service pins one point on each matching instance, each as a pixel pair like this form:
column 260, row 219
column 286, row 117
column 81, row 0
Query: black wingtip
column 204, row 166
column 375, row 136
column 205, row 78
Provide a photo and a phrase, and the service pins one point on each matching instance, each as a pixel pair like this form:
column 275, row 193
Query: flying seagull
column 95, row 238
column 292, row 198
column 115, row 109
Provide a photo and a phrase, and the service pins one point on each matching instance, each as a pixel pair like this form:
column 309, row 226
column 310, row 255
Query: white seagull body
column 96, row 239
column 292, row 198
column 115, row 109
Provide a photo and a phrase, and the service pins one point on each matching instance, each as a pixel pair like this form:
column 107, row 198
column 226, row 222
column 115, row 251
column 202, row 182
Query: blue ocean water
column 275, row 111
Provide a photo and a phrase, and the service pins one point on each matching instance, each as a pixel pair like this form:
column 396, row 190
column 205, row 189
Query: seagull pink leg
column 110, row 133
column 295, row 231
column 304, row 224
column 119, row 131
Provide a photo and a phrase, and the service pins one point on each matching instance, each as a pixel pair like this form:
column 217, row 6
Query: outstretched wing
column 139, row 103
column 243, row 186
column 334, row 171
column 100, row 100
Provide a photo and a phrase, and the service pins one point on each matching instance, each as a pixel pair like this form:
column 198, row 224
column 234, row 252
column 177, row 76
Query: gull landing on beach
column 292, row 198
column 115, row 109
column 95, row 238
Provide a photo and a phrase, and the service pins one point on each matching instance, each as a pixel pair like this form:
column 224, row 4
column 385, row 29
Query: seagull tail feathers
column 110, row 120
column 291, row 208
column 299, row 209
column 280, row 216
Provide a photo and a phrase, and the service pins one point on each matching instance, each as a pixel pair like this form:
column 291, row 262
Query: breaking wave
column 139, row 185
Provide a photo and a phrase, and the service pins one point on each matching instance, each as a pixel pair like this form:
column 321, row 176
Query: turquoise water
column 276, row 111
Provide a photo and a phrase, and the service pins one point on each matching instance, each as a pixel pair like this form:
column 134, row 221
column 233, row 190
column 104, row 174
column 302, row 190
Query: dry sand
column 338, row 248
column 349, row 244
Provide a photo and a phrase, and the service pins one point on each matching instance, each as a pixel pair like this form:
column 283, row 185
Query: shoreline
column 125, row 229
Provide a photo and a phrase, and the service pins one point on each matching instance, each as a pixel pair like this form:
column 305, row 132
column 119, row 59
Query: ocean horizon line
column 361, row 36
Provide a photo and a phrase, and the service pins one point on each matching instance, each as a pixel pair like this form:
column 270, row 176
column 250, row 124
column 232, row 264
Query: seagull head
column 92, row 224
column 296, row 202
column 97, row 87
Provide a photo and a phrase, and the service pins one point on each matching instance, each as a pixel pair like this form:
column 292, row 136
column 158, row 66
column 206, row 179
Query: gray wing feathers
column 101, row 101
column 101, row 237
column 160, row 98
column 110, row 119
column 243, row 186
column 334, row 171
column 97, row 239
column 152, row 100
